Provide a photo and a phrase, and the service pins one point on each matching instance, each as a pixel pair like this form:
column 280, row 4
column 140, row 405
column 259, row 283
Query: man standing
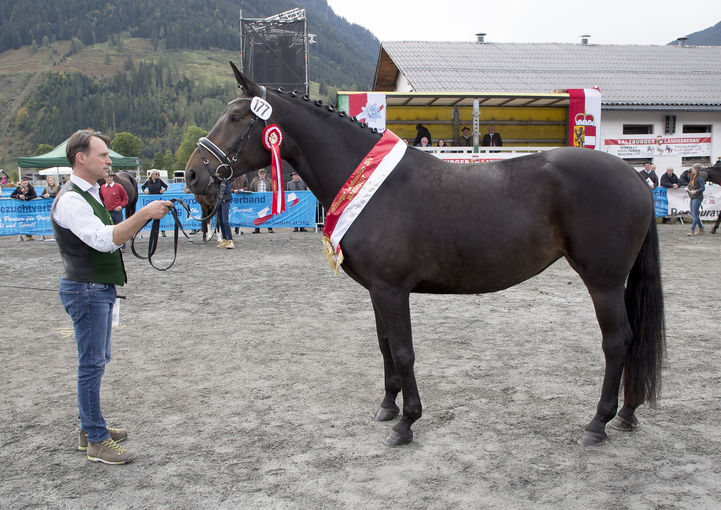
column 465, row 140
column 492, row 139
column 260, row 184
column 88, row 243
column 295, row 184
column 649, row 175
column 115, row 198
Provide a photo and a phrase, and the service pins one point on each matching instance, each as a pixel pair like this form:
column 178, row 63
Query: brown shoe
column 116, row 435
column 109, row 452
column 229, row 244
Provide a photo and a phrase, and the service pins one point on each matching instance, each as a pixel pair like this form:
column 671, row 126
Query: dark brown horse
column 437, row 227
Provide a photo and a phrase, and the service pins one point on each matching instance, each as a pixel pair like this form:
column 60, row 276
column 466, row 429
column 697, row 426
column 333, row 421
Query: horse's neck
column 322, row 147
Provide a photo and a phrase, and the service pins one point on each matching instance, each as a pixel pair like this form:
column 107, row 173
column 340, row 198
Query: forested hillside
column 149, row 67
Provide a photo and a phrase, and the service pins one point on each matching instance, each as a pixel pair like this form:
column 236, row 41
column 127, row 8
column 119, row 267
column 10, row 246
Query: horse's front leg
column 388, row 409
column 393, row 310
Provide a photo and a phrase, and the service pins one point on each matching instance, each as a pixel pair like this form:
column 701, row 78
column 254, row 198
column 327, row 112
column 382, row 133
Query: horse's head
column 234, row 145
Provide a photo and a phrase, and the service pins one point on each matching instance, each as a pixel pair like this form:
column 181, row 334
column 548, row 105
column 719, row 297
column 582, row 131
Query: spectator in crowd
column 684, row 178
column 51, row 188
column 259, row 184
column 718, row 161
column 295, row 184
column 421, row 131
column 492, row 139
column 649, row 176
column 154, row 185
column 696, row 187
column 93, row 267
column 669, row 181
column 405, row 140
column 115, row 199
column 24, row 191
column 465, row 140
column 239, row 184
column 222, row 216
column 424, row 142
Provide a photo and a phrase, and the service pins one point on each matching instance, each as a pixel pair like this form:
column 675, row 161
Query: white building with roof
column 659, row 103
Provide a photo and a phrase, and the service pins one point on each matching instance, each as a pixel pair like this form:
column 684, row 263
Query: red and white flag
column 584, row 110
column 368, row 107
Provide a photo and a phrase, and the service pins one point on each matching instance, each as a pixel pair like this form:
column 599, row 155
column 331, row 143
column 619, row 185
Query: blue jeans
column 223, row 221
column 695, row 215
column 90, row 306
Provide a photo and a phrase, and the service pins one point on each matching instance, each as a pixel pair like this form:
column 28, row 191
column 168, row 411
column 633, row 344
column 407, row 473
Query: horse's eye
column 235, row 118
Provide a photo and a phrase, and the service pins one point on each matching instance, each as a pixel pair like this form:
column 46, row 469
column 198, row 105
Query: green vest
column 105, row 267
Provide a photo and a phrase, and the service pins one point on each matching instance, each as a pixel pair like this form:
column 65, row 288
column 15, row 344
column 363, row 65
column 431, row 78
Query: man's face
column 109, row 179
column 490, row 129
column 97, row 161
column 466, row 132
column 24, row 184
column 295, row 177
column 647, row 166
column 669, row 171
column 261, row 175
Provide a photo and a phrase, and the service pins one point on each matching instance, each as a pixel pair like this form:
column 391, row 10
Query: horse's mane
column 330, row 110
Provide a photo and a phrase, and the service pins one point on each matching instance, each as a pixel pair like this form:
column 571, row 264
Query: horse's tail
column 644, row 305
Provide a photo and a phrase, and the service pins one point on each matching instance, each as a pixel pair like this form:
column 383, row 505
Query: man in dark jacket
column 24, row 191
column 669, row 179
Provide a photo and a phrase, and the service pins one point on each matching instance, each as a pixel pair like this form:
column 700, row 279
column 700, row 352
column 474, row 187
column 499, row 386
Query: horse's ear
column 248, row 85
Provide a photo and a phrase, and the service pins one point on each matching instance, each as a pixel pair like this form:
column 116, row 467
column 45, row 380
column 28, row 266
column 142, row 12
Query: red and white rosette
column 272, row 138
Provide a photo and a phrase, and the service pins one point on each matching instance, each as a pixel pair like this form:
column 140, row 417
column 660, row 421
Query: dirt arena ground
column 249, row 379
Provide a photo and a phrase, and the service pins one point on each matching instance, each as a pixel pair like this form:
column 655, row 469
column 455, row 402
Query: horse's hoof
column 397, row 439
column 589, row 438
column 386, row 414
column 620, row 423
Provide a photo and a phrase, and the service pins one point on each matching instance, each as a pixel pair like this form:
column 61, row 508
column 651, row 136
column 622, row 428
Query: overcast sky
column 607, row 21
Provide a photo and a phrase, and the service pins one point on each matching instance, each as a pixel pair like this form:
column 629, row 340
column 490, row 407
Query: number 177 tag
column 261, row 108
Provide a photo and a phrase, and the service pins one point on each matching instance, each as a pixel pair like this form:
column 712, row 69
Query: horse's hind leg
column 388, row 409
column 616, row 332
column 393, row 311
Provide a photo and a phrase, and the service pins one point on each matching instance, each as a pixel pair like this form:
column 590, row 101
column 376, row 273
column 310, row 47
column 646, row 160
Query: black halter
column 226, row 162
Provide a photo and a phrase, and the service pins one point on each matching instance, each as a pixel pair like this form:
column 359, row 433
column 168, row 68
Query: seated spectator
column 51, row 188
column 424, row 142
column 24, row 191
column 492, row 139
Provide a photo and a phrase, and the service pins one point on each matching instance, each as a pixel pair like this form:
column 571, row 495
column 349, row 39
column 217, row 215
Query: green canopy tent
column 57, row 157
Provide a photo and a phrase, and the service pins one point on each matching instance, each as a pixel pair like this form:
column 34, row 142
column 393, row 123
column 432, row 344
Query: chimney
column 584, row 39
column 682, row 41
column 480, row 37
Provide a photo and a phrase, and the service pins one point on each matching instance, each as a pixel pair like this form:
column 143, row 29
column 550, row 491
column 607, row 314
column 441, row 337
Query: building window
column 638, row 129
column 638, row 162
column 692, row 160
column 696, row 128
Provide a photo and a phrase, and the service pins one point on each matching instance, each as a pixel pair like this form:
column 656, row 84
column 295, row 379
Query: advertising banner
column 646, row 146
column 676, row 202
column 246, row 210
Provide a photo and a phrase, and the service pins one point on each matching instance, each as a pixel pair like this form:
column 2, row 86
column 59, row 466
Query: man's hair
column 80, row 142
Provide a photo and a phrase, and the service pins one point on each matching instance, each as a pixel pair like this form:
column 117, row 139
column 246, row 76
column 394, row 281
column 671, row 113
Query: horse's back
column 479, row 228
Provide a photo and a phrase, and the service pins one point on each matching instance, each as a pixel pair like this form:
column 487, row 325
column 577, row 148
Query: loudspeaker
column 670, row 127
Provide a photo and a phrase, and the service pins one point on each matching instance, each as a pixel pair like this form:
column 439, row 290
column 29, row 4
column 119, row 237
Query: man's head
column 261, row 173
column 647, row 166
column 653, row 167
column 669, row 170
column 88, row 154
column 491, row 129
column 294, row 175
column 465, row 131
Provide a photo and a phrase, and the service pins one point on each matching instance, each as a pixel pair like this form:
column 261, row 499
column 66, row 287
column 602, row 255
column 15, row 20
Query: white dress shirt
column 74, row 213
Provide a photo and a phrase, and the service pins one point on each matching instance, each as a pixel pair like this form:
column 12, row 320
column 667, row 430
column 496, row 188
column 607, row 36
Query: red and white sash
column 357, row 191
